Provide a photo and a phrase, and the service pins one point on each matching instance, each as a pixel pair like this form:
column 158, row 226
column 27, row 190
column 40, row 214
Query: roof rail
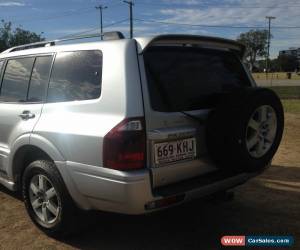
column 113, row 35
column 30, row 46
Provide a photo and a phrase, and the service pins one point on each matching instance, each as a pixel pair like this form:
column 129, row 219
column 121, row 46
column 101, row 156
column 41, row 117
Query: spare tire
column 245, row 129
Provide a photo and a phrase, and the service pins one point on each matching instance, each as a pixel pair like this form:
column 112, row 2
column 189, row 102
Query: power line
column 78, row 33
column 62, row 14
column 94, row 29
column 214, row 26
column 226, row 6
column 89, row 9
column 68, row 13
column 117, row 22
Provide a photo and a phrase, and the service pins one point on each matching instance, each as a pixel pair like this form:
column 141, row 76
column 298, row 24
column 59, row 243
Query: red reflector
column 125, row 145
column 132, row 156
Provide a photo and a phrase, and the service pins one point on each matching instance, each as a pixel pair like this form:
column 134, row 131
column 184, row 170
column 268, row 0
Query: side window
column 76, row 76
column 1, row 65
column 39, row 79
column 16, row 79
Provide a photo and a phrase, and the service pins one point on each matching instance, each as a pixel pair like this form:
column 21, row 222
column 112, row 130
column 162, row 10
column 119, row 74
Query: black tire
column 227, row 128
column 64, row 224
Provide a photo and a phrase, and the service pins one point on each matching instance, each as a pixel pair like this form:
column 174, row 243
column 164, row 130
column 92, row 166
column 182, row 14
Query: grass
column 290, row 98
column 275, row 75
column 287, row 92
column 291, row 106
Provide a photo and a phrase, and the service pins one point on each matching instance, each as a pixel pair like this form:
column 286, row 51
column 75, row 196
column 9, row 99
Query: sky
column 221, row 18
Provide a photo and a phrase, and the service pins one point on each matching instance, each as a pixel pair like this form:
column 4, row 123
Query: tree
column 5, row 35
column 259, row 66
column 287, row 63
column 10, row 38
column 256, row 45
column 274, row 65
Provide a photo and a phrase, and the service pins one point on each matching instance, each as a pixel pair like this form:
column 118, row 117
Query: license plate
column 173, row 151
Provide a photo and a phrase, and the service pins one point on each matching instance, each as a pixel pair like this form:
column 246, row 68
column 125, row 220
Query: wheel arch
column 38, row 148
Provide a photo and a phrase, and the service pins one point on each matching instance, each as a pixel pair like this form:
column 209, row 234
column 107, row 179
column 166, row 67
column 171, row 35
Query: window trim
column 52, row 66
column 1, row 70
column 53, row 55
column 49, row 78
column 21, row 57
column 2, row 75
column 29, row 82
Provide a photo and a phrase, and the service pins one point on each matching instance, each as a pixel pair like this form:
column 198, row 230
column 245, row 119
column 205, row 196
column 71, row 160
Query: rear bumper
column 129, row 193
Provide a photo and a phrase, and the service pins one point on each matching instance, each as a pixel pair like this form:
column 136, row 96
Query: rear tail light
column 125, row 145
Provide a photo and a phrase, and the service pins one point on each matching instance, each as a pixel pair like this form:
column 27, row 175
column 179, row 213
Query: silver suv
column 130, row 125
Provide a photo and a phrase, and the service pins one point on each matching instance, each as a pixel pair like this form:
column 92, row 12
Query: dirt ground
column 266, row 205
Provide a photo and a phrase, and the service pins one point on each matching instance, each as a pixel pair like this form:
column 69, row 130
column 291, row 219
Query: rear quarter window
column 76, row 76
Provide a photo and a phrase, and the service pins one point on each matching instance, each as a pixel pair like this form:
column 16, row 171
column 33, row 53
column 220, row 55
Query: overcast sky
column 58, row 18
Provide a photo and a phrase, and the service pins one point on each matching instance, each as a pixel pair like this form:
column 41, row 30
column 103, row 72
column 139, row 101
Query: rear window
column 185, row 78
column 76, row 76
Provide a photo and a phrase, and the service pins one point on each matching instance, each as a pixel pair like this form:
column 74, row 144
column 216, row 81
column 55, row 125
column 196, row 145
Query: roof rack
column 113, row 35
column 30, row 46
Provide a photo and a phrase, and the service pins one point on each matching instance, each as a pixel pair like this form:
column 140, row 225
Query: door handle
column 26, row 114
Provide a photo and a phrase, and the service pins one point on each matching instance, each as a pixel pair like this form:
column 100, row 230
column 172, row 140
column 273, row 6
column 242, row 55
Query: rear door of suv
column 23, row 89
column 182, row 82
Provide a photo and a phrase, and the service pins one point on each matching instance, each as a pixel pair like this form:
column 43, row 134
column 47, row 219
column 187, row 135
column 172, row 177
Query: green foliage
column 5, row 35
column 10, row 38
column 287, row 92
column 284, row 63
column 291, row 106
column 256, row 44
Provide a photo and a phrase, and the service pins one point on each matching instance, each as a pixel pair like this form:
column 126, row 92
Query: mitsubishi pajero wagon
column 130, row 126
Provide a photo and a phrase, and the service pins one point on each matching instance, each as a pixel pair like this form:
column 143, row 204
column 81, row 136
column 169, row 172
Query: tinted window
column 76, row 76
column 191, row 78
column 16, row 79
column 1, row 65
column 39, row 79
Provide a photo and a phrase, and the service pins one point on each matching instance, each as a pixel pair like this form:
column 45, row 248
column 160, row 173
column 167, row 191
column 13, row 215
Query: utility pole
column 131, row 4
column 269, row 42
column 101, row 8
